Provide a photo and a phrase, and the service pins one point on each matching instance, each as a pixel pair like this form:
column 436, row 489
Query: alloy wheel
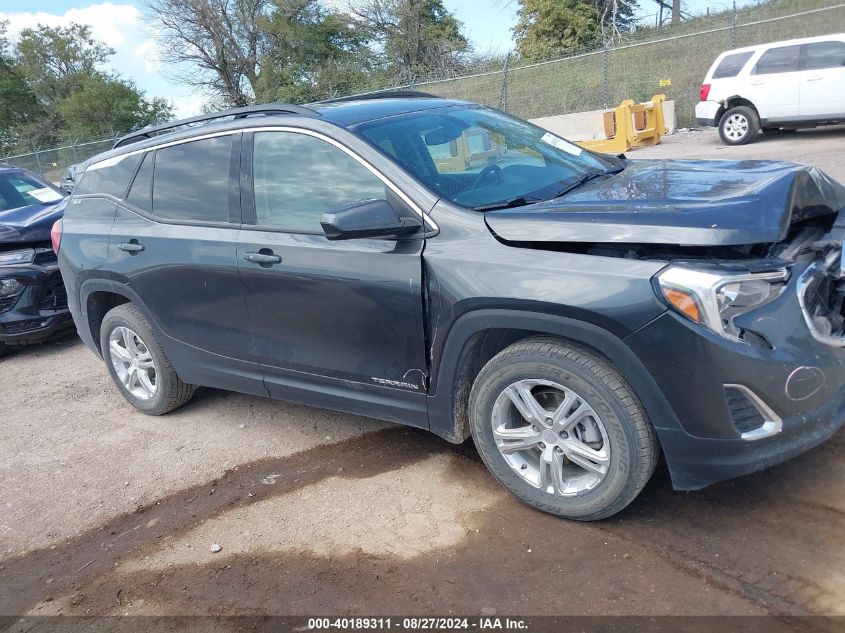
column 133, row 363
column 551, row 437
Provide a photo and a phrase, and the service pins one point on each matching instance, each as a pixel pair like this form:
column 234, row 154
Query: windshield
column 19, row 190
column 479, row 158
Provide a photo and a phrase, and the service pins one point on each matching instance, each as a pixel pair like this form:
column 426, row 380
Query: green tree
column 310, row 53
column 52, row 74
column 105, row 104
column 547, row 28
column 18, row 106
column 417, row 37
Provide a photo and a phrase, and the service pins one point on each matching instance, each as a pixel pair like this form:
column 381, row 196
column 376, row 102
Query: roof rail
column 236, row 113
column 382, row 94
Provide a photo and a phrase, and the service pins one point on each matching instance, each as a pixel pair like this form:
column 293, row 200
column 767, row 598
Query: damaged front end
column 33, row 300
column 821, row 293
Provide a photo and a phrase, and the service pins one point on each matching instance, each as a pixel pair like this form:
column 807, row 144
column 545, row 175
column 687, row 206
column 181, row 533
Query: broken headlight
column 9, row 287
column 716, row 299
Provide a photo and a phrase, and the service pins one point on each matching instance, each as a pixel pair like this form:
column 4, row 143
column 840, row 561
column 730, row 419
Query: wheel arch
column 732, row 102
column 479, row 335
column 97, row 297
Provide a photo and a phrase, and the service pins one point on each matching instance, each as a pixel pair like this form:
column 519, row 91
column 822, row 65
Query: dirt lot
column 107, row 511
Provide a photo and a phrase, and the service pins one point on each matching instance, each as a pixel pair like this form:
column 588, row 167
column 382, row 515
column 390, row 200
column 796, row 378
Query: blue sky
column 119, row 23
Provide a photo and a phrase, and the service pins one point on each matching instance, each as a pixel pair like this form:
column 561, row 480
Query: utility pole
column 676, row 11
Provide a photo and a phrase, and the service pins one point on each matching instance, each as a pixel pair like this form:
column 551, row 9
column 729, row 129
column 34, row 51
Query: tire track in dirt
column 24, row 579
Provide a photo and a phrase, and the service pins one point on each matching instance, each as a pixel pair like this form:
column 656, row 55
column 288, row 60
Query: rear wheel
column 138, row 364
column 739, row 126
column 561, row 429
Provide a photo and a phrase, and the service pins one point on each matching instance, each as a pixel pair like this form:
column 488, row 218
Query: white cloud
column 121, row 27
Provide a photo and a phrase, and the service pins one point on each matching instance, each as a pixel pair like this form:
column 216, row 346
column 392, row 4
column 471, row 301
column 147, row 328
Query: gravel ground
column 107, row 511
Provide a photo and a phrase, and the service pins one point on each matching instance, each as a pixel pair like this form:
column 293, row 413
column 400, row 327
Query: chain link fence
column 670, row 59
column 51, row 163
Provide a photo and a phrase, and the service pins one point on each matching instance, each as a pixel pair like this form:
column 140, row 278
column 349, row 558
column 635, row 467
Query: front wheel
column 138, row 364
column 739, row 126
column 561, row 429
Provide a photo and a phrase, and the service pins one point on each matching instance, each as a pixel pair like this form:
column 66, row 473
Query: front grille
column 54, row 296
column 744, row 414
column 7, row 303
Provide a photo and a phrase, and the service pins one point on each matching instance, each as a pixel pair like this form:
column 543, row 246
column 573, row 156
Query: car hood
column 684, row 202
column 31, row 223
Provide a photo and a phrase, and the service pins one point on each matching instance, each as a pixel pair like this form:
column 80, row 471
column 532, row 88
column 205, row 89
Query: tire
column 129, row 329
column 739, row 126
column 612, row 420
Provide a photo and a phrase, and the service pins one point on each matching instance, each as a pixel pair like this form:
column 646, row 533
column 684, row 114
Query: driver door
column 336, row 323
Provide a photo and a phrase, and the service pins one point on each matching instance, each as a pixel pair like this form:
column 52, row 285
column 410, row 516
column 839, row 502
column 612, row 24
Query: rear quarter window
column 731, row 65
column 111, row 179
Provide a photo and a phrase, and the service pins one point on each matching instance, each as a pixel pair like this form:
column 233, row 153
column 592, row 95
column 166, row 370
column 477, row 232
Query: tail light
column 705, row 91
column 56, row 235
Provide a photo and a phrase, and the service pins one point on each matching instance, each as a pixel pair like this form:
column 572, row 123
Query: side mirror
column 368, row 218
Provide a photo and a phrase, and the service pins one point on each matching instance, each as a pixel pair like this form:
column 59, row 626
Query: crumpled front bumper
column 40, row 311
column 798, row 380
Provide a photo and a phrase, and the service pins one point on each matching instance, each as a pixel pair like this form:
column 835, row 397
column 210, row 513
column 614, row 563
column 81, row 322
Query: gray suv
column 441, row 264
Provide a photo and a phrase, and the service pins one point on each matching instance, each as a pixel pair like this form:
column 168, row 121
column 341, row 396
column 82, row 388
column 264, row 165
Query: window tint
column 298, row 178
column 778, row 60
column 113, row 179
column 140, row 193
column 824, row 55
column 731, row 65
column 191, row 180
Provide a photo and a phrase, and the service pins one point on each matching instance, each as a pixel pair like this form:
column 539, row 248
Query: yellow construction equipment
column 631, row 125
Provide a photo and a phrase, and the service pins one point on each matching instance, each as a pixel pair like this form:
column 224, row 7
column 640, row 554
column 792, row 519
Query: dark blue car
column 33, row 302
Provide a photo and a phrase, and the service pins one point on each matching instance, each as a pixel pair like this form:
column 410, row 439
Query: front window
column 478, row 158
column 19, row 190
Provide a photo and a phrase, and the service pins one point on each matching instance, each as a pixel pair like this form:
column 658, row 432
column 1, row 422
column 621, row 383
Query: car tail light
column 705, row 91
column 56, row 235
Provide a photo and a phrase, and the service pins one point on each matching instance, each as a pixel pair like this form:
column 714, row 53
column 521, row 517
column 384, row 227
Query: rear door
column 174, row 243
column 823, row 80
column 773, row 84
column 336, row 323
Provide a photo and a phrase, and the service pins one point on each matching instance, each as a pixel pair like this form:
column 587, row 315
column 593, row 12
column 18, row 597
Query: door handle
column 132, row 247
column 756, row 82
column 265, row 257
column 814, row 78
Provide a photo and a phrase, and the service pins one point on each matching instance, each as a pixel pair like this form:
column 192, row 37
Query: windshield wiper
column 519, row 201
column 580, row 181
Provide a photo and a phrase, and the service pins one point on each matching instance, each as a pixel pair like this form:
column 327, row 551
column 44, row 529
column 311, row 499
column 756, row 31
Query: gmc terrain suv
column 444, row 265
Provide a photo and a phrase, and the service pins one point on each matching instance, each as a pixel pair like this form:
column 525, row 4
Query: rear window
column 191, row 180
column 731, row 65
column 778, row 60
column 824, row 55
column 110, row 178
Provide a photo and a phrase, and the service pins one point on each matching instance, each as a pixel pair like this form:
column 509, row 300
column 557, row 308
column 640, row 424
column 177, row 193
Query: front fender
column 442, row 398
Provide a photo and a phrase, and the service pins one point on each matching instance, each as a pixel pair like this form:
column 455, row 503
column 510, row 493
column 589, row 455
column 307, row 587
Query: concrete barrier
column 589, row 126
